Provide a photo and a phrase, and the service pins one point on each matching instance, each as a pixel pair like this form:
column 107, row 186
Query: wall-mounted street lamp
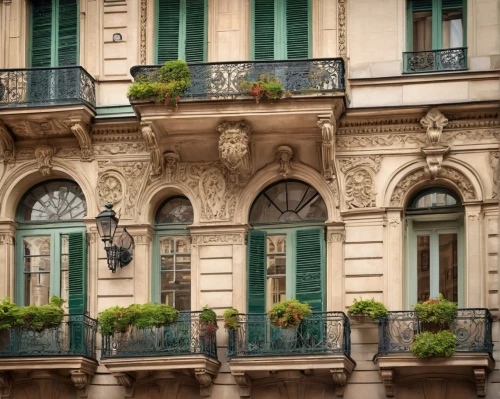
column 119, row 253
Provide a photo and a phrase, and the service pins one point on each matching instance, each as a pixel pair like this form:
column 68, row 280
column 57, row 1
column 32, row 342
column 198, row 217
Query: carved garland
column 144, row 19
column 342, row 28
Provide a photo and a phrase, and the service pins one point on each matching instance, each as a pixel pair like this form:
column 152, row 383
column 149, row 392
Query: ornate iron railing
column 187, row 336
column 42, row 87
column 75, row 336
column 472, row 328
column 223, row 79
column 321, row 333
column 453, row 59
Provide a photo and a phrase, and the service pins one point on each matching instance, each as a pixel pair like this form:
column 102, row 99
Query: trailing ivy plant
column 289, row 314
column 230, row 319
column 370, row 307
column 267, row 85
column 439, row 311
column 117, row 319
column 31, row 317
column 428, row 344
column 166, row 84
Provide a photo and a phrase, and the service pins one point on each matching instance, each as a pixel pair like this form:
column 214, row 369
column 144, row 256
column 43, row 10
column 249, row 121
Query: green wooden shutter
column 167, row 34
column 297, row 29
column 67, row 33
column 449, row 4
column 256, row 271
column 309, row 267
column 196, row 35
column 41, row 33
column 421, row 5
column 263, row 29
column 77, row 269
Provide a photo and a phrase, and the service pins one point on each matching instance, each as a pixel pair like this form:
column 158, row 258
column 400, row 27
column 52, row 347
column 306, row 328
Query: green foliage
column 230, row 319
column 31, row 317
column 266, row 86
column 289, row 314
column 207, row 315
column 428, row 344
column 166, row 84
column 148, row 315
column 439, row 311
column 376, row 310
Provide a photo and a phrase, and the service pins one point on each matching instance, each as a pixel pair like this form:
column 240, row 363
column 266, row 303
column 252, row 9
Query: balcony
column 318, row 350
column 184, row 351
column 453, row 59
column 67, row 350
column 472, row 361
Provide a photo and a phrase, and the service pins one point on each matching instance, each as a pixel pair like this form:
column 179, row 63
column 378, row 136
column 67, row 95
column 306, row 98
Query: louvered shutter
column 195, row 30
column 309, row 266
column 297, row 28
column 263, row 29
column 421, row 5
column 256, row 271
column 77, row 269
column 67, row 33
column 41, row 33
column 450, row 4
column 167, row 35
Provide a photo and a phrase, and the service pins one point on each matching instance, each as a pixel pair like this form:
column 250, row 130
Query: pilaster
column 143, row 235
column 473, row 273
column 7, row 234
column 335, row 238
column 394, row 256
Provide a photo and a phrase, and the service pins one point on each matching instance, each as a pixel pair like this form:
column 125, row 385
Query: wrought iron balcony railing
column 223, row 79
column 472, row 328
column 188, row 336
column 321, row 333
column 75, row 336
column 44, row 87
column 453, row 59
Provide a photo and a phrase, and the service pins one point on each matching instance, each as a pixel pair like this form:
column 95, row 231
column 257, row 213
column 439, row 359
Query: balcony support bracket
column 81, row 381
column 81, row 130
column 340, row 378
column 388, row 380
column 205, row 380
column 481, row 377
column 5, row 386
column 126, row 381
column 7, row 146
column 244, row 382
column 151, row 136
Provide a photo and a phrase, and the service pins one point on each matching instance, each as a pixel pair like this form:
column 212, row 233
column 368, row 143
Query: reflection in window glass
column 276, row 270
column 435, row 200
column 36, row 251
column 448, row 269
column 423, row 268
column 422, row 31
column 177, row 210
column 453, row 30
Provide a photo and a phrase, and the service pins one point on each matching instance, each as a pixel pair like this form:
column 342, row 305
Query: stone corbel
column 7, row 146
column 244, row 382
column 434, row 157
column 5, row 386
column 81, row 130
column 205, row 381
column 481, row 377
column 387, row 376
column 234, row 148
column 284, row 156
column 81, row 381
column 151, row 137
column 340, row 378
column 126, row 381
column 328, row 129
column 44, row 154
column 171, row 162
column 434, row 122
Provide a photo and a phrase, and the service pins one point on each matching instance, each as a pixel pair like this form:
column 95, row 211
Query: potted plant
column 367, row 308
column 208, row 327
column 287, row 316
column 231, row 325
column 429, row 344
column 267, row 86
column 436, row 314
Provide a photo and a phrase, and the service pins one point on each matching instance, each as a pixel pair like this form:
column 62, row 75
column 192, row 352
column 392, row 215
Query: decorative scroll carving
column 40, row 128
column 359, row 192
column 495, row 164
column 244, row 382
column 284, row 156
column 110, row 189
column 394, row 223
column 340, row 378
column 5, row 386
column 142, row 240
column 81, row 131
column 234, row 151
column 434, row 157
column 218, row 239
column 154, row 150
column 388, row 380
column 481, row 378
column 81, row 381
column 6, row 239
column 44, row 154
column 374, row 162
column 114, row 134
column 68, row 153
column 144, row 19
column 205, row 381
column 463, row 183
column 327, row 148
column 335, row 237
column 120, row 149
column 379, row 141
column 7, row 146
column 342, row 28
column 126, row 381
column 434, row 122
column 171, row 161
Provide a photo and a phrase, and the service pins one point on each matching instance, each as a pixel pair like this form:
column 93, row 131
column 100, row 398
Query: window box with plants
column 367, row 311
column 266, row 86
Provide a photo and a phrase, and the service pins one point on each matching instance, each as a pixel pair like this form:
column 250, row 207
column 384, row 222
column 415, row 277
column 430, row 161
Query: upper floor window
column 181, row 30
column 54, row 31
column 281, row 29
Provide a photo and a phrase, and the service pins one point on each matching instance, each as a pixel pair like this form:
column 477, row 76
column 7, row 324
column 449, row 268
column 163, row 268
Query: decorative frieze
column 144, row 20
column 234, row 149
column 44, row 154
column 399, row 140
column 116, row 133
column 374, row 162
column 121, row 148
column 342, row 28
column 207, row 239
column 284, row 155
column 69, row 152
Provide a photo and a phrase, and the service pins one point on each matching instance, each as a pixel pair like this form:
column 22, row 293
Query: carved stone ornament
column 7, row 146
column 359, row 192
column 244, row 382
column 171, row 161
column 284, row 156
column 205, row 381
column 5, row 386
column 234, row 149
column 81, row 381
column 81, row 131
column 336, row 237
column 327, row 148
column 6, row 239
column 109, row 189
column 126, row 381
column 144, row 20
column 434, row 157
column 210, row 239
column 120, row 149
column 374, row 162
column 342, row 31
column 388, row 380
column 44, row 154
column 495, row 164
column 481, row 377
column 150, row 136
column 340, row 378
column 434, row 122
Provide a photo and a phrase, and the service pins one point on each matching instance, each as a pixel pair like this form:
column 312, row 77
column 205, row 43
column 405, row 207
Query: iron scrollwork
column 454, row 59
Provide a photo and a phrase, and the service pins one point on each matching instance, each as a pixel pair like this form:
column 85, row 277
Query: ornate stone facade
column 234, row 150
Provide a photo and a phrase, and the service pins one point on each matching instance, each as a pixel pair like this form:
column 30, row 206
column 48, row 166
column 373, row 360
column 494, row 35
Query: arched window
column 172, row 277
column 51, row 245
column 435, row 246
column 286, row 248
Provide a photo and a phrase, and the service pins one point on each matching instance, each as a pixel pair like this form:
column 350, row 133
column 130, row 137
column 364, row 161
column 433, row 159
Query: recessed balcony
column 470, row 364
column 317, row 352
column 184, row 352
column 446, row 60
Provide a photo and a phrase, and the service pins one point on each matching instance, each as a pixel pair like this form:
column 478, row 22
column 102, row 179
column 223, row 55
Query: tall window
column 172, row 279
column 281, row 29
column 181, row 30
column 51, row 245
column 54, row 33
column 436, row 24
column 286, row 247
column 435, row 230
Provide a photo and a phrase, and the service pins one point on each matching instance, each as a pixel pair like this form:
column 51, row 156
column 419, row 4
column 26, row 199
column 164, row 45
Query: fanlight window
column 288, row 201
column 52, row 201
column 176, row 210
column 434, row 199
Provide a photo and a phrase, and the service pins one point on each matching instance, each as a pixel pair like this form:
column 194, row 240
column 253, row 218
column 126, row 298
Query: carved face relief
column 234, row 151
column 359, row 189
column 212, row 190
column 434, row 121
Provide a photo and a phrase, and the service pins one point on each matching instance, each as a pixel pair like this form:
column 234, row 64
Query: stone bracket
column 43, row 155
column 388, row 376
column 205, row 380
column 7, row 145
column 81, row 381
column 5, row 386
column 481, row 377
column 151, row 136
column 340, row 378
column 81, row 130
column 244, row 382
column 434, row 157
column 126, row 381
column 434, row 122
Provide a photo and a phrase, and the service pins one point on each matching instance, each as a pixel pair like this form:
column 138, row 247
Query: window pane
column 453, row 28
column 423, row 268
column 435, row 200
column 448, row 269
column 276, row 270
column 422, row 31
column 177, row 210
column 36, row 270
column 64, row 269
